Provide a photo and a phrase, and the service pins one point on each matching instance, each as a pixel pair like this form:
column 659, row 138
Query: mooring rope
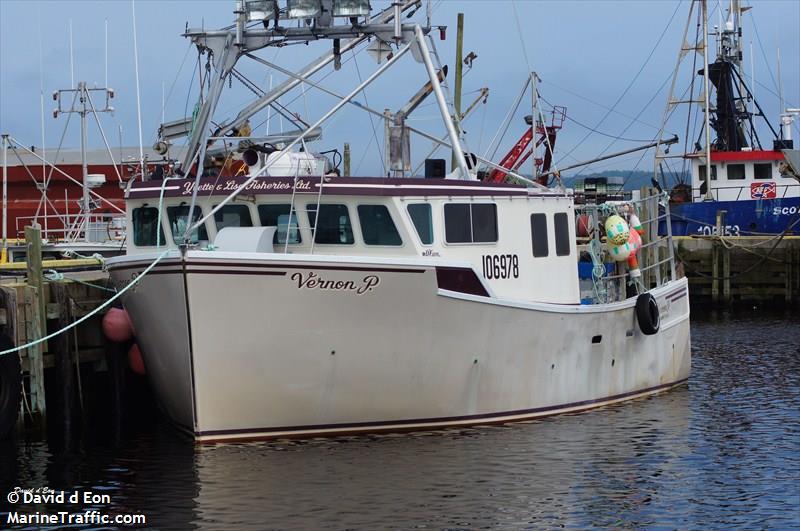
column 93, row 312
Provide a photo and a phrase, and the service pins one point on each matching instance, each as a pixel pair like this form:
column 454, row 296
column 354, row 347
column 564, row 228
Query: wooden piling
column 63, row 362
column 33, row 299
column 746, row 270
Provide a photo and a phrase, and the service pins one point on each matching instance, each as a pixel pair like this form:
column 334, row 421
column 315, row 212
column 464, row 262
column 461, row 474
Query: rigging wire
column 177, row 75
column 593, row 102
column 763, row 54
column 632, row 82
column 576, row 122
column 371, row 123
column 630, row 124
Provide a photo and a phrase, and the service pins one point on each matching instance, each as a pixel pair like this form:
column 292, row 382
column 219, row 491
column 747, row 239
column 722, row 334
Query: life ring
column 647, row 314
column 10, row 387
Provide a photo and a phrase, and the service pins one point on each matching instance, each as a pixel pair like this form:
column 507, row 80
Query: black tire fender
column 10, row 387
column 647, row 314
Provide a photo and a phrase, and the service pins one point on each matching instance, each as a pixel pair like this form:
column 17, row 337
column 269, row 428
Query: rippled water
column 722, row 451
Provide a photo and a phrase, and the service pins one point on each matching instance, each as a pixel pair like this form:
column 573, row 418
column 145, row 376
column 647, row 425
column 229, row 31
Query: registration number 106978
column 500, row 266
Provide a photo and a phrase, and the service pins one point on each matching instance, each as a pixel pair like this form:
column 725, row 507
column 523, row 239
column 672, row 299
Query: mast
column 459, row 64
column 85, row 106
column 85, row 205
column 706, row 100
column 684, row 48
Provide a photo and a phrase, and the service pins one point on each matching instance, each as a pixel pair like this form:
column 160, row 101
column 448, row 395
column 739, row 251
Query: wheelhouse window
column 178, row 216
column 470, row 223
column 735, row 172
column 762, row 171
column 423, row 221
column 561, row 225
column 702, row 172
column 539, row 235
column 145, row 225
column 377, row 227
column 278, row 216
column 332, row 225
column 233, row 216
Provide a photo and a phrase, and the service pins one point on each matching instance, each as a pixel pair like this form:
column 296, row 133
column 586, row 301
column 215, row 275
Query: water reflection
column 720, row 451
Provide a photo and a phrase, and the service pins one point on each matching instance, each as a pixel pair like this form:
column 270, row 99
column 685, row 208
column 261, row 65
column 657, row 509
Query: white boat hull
column 274, row 346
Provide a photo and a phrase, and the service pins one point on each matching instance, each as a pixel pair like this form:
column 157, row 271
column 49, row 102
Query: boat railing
column 95, row 228
column 781, row 191
column 654, row 263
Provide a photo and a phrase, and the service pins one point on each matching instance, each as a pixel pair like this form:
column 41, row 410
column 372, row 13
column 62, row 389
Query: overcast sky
column 592, row 56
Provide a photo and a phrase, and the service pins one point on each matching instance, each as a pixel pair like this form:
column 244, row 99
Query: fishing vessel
column 738, row 185
column 295, row 301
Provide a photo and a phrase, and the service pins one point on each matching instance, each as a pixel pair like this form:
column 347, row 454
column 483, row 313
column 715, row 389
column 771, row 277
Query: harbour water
column 721, row 451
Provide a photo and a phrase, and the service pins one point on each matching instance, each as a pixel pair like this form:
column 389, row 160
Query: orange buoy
column 117, row 326
column 635, row 242
column 135, row 361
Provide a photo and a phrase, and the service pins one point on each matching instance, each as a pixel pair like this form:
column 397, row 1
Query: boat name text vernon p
column 313, row 281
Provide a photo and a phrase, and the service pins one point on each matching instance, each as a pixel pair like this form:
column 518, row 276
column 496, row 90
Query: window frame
column 295, row 215
column 762, row 164
column 391, row 219
column 430, row 219
column 556, row 217
column 543, row 216
column 737, row 166
column 239, row 206
column 311, row 226
column 160, row 228
column 701, row 172
column 199, row 214
column 470, row 206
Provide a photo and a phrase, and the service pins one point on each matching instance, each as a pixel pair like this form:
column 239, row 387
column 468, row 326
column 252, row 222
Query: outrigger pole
column 400, row 53
column 669, row 141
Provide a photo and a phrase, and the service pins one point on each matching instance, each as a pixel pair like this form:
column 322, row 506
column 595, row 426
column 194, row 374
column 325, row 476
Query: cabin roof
column 360, row 186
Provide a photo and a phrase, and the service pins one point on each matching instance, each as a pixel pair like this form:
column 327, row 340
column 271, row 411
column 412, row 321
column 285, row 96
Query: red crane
column 522, row 151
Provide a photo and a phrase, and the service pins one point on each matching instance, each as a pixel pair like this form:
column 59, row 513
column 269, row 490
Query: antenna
column 106, row 58
column 41, row 118
column 71, row 58
column 780, row 82
column 138, row 97
column 752, row 81
column 163, row 102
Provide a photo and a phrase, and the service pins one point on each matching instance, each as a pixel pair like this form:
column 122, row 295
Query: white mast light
column 303, row 8
column 351, row 8
column 258, row 10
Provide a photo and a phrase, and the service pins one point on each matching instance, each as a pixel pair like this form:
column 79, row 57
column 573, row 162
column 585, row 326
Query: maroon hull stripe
column 236, row 268
column 463, row 419
column 460, row 279
column 322, row 267
column 457, row 279
column 672, row 297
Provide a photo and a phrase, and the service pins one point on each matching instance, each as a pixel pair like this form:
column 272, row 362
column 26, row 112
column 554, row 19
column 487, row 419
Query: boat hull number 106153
column 500, row 266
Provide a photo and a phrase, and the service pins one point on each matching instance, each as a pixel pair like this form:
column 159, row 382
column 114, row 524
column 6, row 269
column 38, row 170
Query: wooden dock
column 39, row 303
column 741, row 269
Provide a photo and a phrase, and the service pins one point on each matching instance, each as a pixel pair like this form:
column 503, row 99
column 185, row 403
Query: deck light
column 303, row 8
column 351, row 8
column 259, row 10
